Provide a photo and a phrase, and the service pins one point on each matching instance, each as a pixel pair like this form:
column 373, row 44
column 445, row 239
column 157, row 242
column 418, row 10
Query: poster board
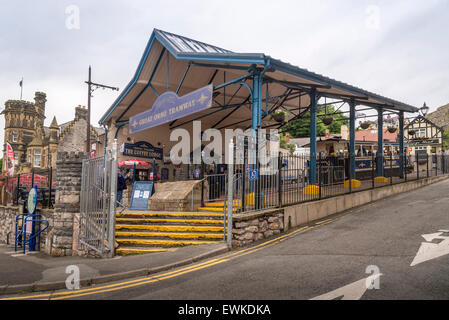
column 141, row 193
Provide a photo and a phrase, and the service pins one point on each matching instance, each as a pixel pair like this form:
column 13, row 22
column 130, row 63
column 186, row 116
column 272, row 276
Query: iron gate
column 98, row 204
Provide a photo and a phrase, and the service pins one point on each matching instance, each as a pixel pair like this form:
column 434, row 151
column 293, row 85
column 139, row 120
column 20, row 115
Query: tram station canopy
column 175, row 63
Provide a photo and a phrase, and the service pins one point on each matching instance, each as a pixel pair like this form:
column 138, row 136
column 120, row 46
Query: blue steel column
column 380, row 143
column 313, row 113
column 401, row 144
column 352, row 139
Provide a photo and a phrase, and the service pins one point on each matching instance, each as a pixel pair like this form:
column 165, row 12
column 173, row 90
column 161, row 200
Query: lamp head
column 424, row 110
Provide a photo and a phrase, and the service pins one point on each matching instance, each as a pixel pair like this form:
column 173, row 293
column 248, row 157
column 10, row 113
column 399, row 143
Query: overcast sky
column 396, row 48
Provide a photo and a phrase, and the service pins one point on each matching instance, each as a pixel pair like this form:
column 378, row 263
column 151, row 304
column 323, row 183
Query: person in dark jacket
column 121, row 185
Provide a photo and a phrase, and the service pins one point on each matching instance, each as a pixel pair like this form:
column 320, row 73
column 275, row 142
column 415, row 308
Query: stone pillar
column 60, row 239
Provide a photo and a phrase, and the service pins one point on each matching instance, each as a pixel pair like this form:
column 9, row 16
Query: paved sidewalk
column 39, row 272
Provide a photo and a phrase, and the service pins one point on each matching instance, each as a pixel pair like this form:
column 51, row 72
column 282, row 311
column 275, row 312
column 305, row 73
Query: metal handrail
column 37, row 234
column 25, row 218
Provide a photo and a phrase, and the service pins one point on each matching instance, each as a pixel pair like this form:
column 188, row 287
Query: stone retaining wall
column 60, row 240
column 311, row 211
column 7, row 223
column 176, row 196
column 248, row 228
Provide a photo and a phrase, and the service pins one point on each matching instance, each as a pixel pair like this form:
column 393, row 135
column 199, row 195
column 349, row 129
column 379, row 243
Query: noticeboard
column 142, row 191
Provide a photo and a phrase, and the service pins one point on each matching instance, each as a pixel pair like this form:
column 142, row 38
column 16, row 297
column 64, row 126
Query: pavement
column 389, row 250
column 36, row 271
column 396, row 248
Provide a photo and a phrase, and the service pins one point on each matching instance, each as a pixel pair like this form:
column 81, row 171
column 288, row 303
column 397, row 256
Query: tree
column 283, row 143
column 300, row 128
column 445, row 139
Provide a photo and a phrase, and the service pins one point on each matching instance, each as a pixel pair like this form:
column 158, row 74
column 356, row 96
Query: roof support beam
column 145, row 88
column 218, row 66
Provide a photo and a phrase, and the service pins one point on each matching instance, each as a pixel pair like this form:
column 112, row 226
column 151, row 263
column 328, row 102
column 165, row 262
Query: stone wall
column 248, row 228
column 60, row 237
column 7, row 223
column 176, row 196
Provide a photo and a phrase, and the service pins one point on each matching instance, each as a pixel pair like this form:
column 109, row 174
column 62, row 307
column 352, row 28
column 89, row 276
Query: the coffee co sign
column 142, row 149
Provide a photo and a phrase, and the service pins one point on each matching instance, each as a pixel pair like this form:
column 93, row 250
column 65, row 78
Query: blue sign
column 142, row 149
column 142, row 191
column 169, row 107
column 32, row 200
column 253, row 174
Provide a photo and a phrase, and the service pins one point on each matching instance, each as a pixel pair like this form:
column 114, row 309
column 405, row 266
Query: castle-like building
column 35, row 145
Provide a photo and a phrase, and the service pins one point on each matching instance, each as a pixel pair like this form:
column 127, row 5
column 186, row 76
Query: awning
column 175, row 63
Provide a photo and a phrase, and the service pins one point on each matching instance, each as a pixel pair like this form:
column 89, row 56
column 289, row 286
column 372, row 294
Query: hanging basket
column 278, row 116
column 328, row 120
column 392, row 129
column 412, row 132
column 365, row 125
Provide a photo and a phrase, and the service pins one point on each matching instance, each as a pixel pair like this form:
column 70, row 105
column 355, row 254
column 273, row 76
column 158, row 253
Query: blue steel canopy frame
column 202, row 55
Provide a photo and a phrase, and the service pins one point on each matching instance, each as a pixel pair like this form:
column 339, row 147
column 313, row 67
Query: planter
column 365, row 125
column 279, row 117
column 392, row 129
column 328, row 120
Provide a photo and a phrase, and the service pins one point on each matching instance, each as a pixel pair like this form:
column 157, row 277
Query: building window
column 16, row 158
column 37, row 158
column 14, row 136
column 421, row 133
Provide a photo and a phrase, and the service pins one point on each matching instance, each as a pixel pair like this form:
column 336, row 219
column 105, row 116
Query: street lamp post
column 424, row 110
column 91, row 87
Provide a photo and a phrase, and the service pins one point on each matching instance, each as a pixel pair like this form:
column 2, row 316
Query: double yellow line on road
column 163, row 276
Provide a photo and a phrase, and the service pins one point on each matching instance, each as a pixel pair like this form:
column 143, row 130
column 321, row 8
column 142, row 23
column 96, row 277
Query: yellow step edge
column 141, row 251
column 215, row 209
column 154, row 214
column 164, row 242
column 169, row 228
column 204, row 221
column 170, row 235
column 221, row 204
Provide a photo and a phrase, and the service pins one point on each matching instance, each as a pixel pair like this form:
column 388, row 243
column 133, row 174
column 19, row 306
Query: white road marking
column 428, row 251
column 352, row 291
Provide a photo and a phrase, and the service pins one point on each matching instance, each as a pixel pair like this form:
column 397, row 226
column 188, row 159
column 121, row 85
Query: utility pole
column 91, row 87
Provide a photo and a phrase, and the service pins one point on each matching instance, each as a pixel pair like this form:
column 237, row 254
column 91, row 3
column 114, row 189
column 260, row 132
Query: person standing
column 121, row 185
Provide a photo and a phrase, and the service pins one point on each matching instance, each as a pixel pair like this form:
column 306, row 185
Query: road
column 328, row 260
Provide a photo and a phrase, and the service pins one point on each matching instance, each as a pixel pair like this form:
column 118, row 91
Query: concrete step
column 168, row 235
column 171, row 221
column 124, row 251
column 168, row 228
column 161, row 243
column 171, row 215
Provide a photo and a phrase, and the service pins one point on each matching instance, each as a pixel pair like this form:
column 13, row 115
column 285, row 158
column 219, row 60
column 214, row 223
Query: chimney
column 80, row 113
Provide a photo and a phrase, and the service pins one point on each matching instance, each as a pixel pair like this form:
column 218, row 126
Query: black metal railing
column 14, row 189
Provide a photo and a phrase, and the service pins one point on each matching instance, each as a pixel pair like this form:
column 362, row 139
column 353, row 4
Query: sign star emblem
column 202, row 99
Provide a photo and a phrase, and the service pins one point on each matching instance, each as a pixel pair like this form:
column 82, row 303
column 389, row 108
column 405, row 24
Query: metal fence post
column 112, row 206
column 391, row 167
column 230, row 194
column 50, row 182
column 319, row 174
column 404, row 155
column 417, row 164
column 280, row 161
column 18, row 190
column 372, row 169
